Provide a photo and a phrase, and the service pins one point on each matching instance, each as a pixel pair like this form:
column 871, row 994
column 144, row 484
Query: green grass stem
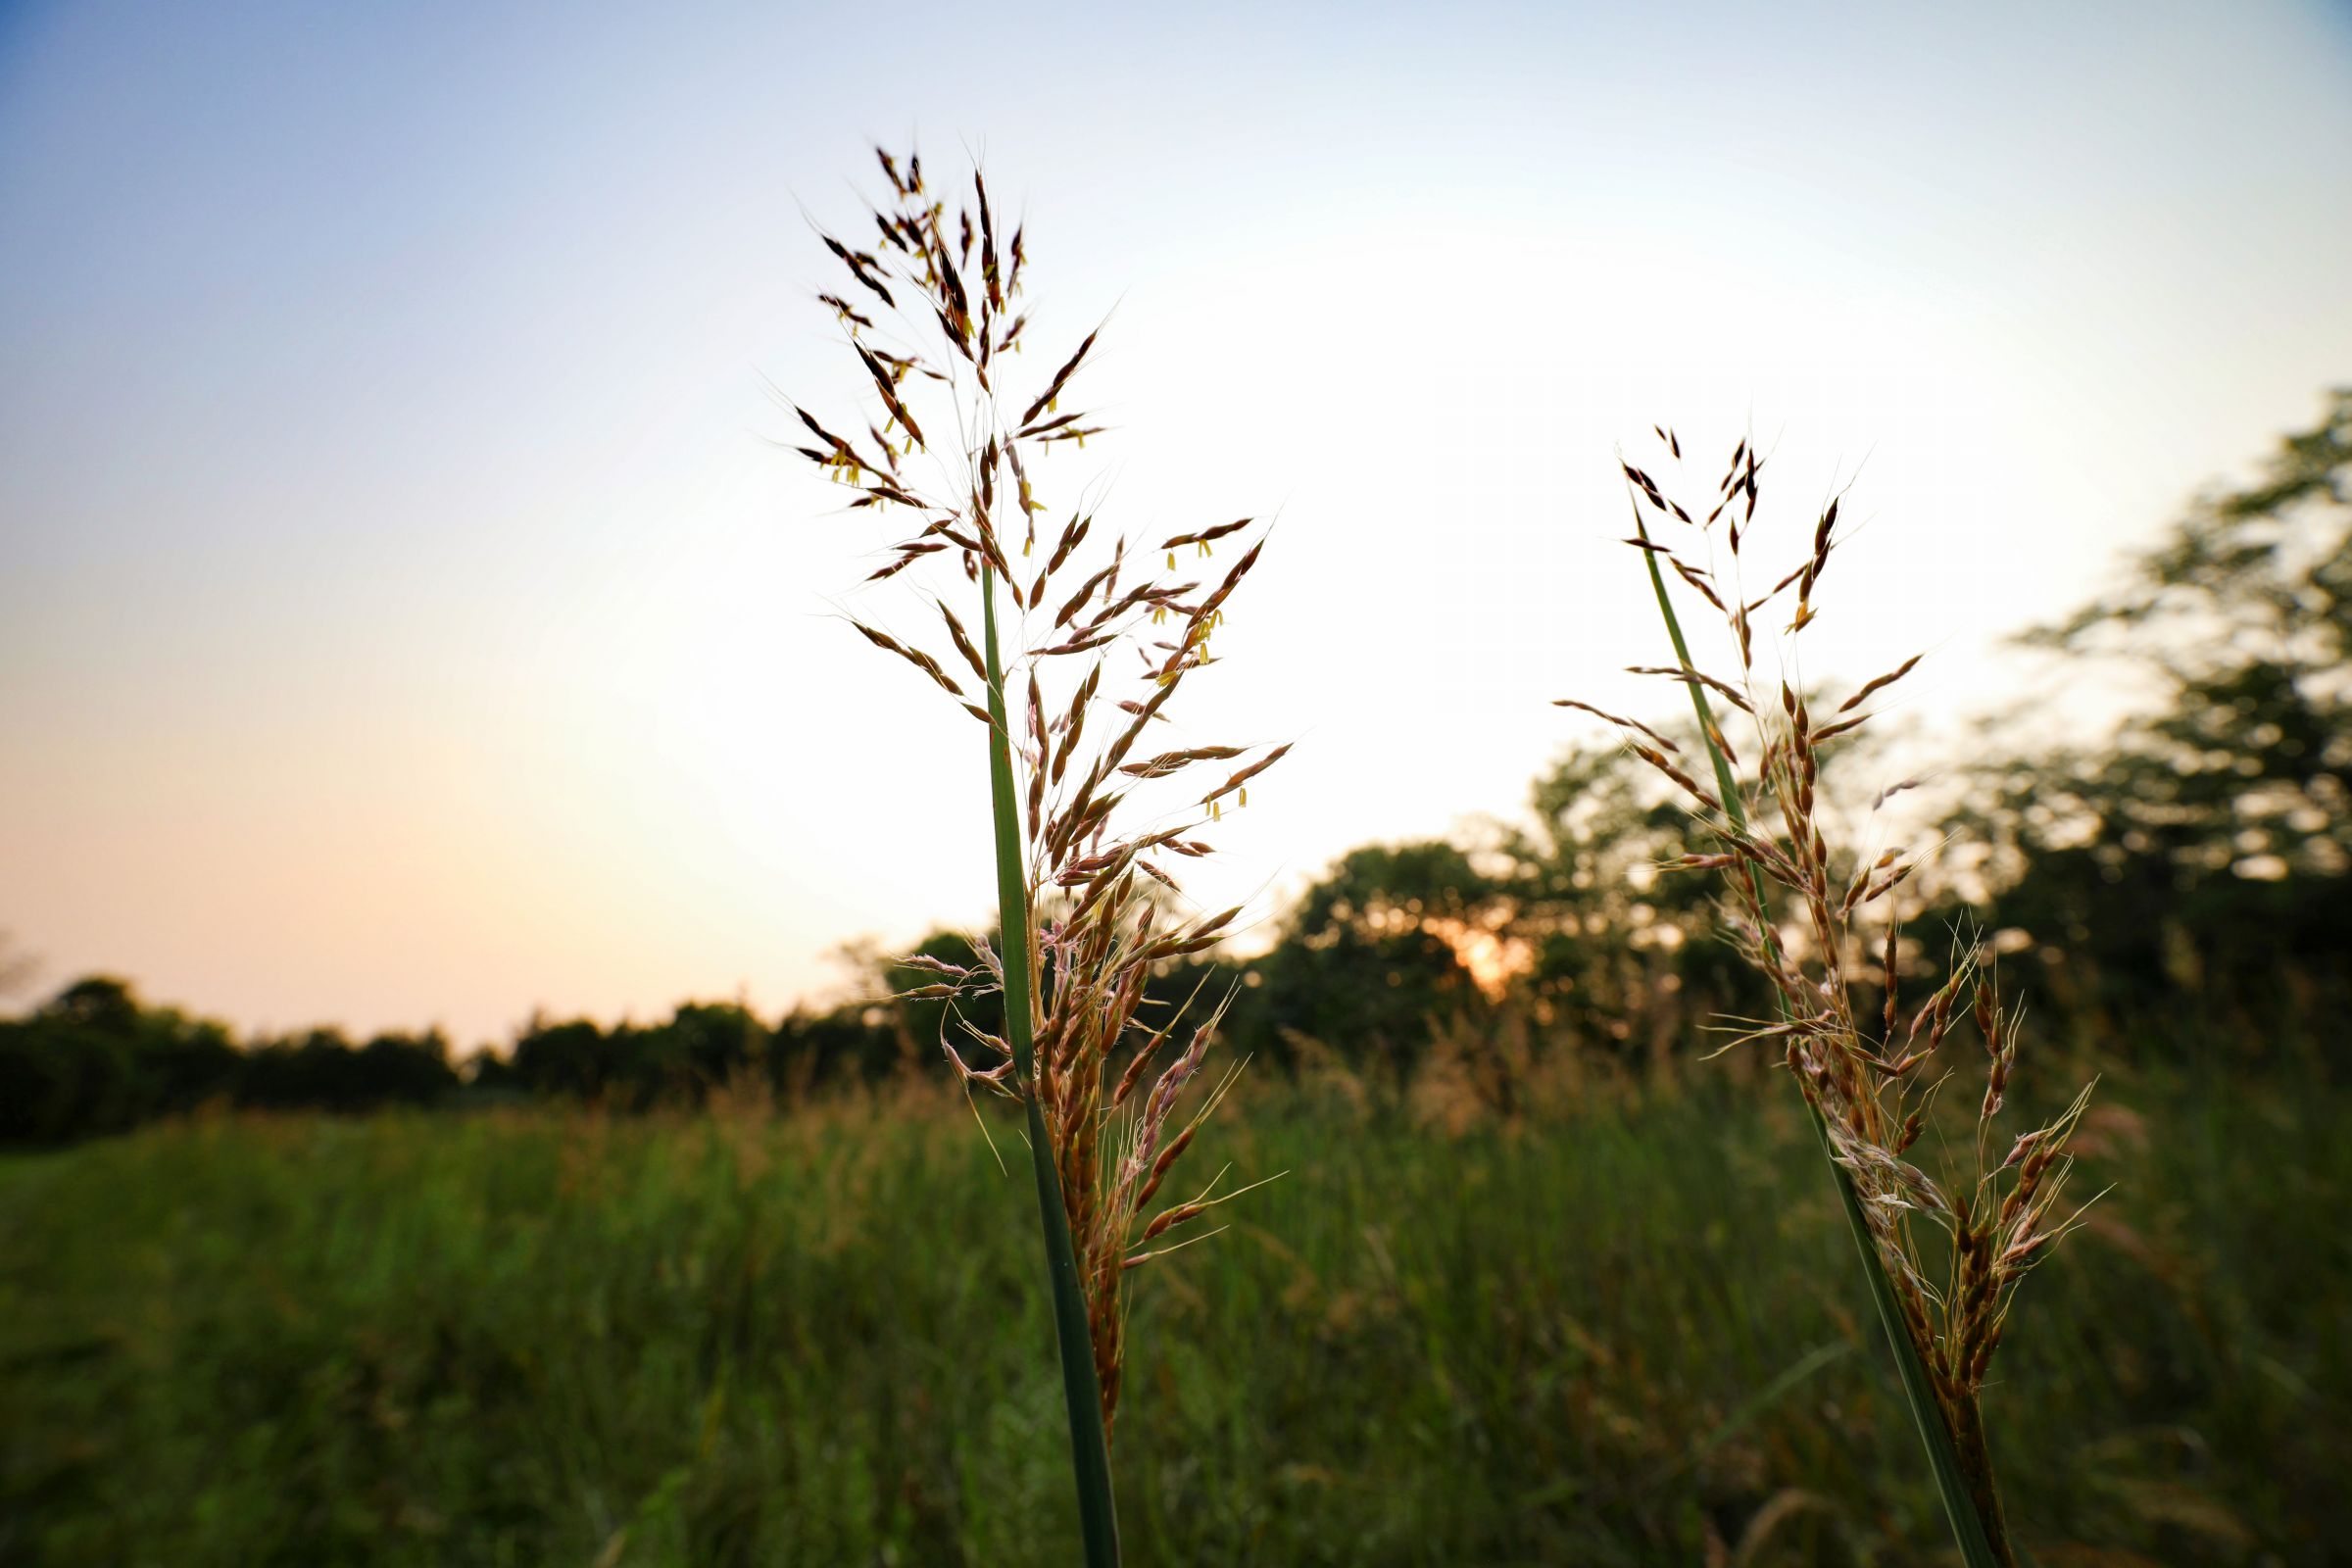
column 1979, row 1530
column 1089, row 1444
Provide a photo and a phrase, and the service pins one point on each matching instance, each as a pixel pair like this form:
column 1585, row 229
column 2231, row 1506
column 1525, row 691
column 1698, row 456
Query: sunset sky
column 410, row 617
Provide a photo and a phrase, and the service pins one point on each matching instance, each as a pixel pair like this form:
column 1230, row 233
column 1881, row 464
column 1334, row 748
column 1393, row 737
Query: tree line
column 2184, row 880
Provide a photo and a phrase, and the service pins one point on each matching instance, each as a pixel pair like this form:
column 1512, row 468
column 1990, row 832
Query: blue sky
column 406, row 615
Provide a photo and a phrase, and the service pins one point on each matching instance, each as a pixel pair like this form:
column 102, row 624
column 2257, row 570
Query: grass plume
column 1089, row 820
column 1943, row 1254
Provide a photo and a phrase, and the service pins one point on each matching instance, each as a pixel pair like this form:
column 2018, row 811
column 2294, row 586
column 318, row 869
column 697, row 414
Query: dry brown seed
column 1168, row 1156
column 1167, row 762
column 843, row 309
column 2025, row 1145
column 1073, row 534
column 1247, row 773
column 1076, row 646
column 1829, row 732
column 963, row 644
column 1689, row 785
column 1697, row 580
column 1728, row 692
column 1206, row 535
column 1061, row 378
column 913, row 656
column 909, row 555
column 1880, row 682
column 1700, row 863
column 1044, row 426
column 860, row 268
column 1170, row 1218
column 1622, row 723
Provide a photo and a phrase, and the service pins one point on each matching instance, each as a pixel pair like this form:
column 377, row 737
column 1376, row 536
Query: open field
column 1623, row 1337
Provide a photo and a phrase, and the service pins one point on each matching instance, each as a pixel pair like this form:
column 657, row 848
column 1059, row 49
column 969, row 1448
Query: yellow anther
column 1171, row 560
column 1216, row 812
column 1244, row 800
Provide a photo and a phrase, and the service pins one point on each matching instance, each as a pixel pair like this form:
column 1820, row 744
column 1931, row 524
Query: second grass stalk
column 1964, row 1506
column 1870, row 1080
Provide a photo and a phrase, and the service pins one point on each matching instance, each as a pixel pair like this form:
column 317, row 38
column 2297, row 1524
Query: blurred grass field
column 1631, row 1335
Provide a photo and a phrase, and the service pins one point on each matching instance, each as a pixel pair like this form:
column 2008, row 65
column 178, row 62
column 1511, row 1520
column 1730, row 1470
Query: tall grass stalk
column 1961, row 1505
column 1082, row 1396
column 1998, row 1222
column 1088, row 912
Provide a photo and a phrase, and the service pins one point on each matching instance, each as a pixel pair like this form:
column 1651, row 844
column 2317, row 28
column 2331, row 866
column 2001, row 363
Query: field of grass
column 1631, row 1336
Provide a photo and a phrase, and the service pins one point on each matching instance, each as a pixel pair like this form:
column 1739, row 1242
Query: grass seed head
column 1859, row 1072
column 1099, row 918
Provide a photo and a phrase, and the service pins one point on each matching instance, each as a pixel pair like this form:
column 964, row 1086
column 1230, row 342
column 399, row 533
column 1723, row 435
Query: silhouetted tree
column 91, row 1059
column 1619, row 955
column 2204, row 849
column 1371, row 957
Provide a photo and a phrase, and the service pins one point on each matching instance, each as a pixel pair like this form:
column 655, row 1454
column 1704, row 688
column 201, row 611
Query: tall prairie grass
column 1091, row 806
column 815, row 1339
column 1943, row 1254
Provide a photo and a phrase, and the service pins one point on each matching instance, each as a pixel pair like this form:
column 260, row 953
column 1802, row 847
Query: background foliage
column 2190, row 868
column 1531, row 1289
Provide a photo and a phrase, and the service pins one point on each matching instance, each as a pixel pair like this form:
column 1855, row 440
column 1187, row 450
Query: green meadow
column 1626, row 1333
